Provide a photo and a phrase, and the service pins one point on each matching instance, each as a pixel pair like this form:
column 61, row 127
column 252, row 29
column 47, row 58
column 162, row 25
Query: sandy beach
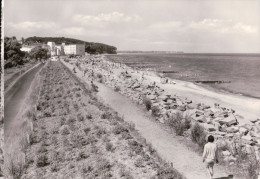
column 247, row 109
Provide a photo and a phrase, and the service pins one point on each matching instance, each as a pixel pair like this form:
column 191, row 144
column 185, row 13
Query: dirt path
column 184, row 160
column 187, row 162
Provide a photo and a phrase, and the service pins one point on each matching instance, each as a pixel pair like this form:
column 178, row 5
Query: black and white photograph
column 149, row 89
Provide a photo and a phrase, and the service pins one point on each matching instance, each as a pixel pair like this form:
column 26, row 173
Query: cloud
column 222, row 26
column 245, row 28
column 31, row 26
column 102, row 19
column 166, row 26
column 73, row 31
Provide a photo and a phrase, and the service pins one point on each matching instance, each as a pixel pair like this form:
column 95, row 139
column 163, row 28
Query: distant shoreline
column 174, row 52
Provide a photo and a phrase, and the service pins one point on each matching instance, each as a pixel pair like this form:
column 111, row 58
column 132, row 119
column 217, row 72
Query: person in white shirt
column 210, row 155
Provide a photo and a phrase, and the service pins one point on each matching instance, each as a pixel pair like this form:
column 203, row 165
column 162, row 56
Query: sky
column 192, row 26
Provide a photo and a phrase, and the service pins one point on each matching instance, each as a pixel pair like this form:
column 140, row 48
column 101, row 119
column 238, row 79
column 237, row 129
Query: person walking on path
column 210, row 155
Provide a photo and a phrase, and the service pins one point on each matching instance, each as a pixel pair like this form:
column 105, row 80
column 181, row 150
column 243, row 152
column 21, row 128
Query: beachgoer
column 210, row 155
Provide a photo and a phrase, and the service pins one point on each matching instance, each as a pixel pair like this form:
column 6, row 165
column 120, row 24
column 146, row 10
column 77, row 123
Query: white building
column 74, row 49
column 52, row 48
column 52, row 45
column 60, row 49
column 26, row 49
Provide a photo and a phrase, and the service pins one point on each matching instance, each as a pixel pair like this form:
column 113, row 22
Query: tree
column 12, row 52
column 39, row 53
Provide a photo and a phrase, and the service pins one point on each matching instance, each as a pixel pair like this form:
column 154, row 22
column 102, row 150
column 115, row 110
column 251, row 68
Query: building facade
column 63, row 49
column 74, row 49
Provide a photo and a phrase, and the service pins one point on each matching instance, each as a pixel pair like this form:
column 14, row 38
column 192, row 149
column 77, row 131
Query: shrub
column 198, row 135
column 106, row 115
column 187, row 122
column 109, row 146
column 135, row 146
column 117, row 88
column 87, row 130
column 147, row 103
column 99, row 75
column 86, row 169
column 168, row 172
column 33, row 139
column 120, row 129
column 94, row 87
column 42, row 160
column 179, row 123
column 89, row 116
column 54, row 167
column 82, row 155
column 155, row 111
column 100, row 131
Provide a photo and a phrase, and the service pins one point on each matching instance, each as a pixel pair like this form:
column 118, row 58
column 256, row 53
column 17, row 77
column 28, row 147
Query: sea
column 229, row 73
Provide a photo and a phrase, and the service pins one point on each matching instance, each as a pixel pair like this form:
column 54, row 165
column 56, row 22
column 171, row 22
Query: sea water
column 238, row 73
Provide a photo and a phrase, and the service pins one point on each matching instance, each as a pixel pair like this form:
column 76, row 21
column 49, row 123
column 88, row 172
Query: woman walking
column 210, row 155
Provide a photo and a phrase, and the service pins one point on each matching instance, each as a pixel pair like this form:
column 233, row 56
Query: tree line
column 90, row 47
column 13, row 55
